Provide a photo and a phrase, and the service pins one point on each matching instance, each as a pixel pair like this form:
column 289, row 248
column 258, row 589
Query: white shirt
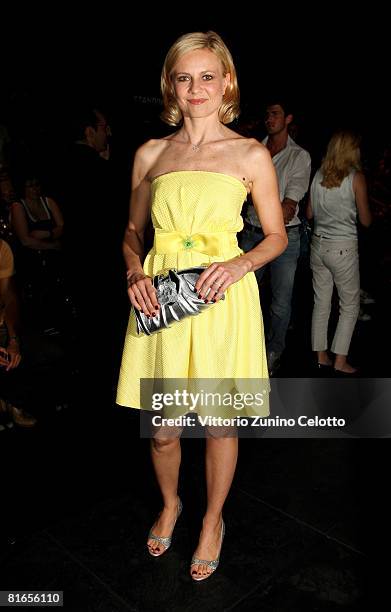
column 293, row 168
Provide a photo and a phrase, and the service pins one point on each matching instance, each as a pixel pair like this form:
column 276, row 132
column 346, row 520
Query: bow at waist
column 210, row 243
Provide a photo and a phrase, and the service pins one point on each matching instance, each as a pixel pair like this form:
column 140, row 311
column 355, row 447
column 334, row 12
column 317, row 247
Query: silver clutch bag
column 177, row 299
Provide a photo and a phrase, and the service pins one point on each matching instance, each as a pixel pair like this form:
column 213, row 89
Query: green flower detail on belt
column 188, row 242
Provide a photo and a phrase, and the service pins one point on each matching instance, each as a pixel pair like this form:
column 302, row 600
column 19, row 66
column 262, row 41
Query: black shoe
column 324, row 366
column 323, row 370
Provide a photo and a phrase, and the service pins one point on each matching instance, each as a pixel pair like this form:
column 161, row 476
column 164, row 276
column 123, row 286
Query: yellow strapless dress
column 196, row 215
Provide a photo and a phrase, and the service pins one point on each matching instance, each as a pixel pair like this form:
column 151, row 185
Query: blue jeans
column 282, row 278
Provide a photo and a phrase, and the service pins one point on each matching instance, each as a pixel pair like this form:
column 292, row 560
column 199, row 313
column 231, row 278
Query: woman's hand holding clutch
column 219, row 276
column 142, row 293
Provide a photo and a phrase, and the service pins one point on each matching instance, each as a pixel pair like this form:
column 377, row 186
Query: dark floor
column 304, row 519
column 80, row 506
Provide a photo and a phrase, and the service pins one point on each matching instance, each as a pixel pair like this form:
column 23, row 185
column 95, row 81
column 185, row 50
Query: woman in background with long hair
column 338, row 196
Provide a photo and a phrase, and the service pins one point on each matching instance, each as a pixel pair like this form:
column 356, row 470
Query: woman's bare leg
column 221, row 459
column 166, row 459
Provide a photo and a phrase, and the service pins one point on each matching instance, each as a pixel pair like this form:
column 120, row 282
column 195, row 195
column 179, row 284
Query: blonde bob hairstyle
column 342, row 156
column 229, row 108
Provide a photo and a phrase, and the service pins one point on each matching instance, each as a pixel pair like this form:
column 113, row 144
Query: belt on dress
column 210, row 243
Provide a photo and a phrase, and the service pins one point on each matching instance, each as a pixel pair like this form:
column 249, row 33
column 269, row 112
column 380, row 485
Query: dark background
column 332, row 64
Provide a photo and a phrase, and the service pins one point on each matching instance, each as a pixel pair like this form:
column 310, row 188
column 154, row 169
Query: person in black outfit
column 93, row 250
column 38, row 225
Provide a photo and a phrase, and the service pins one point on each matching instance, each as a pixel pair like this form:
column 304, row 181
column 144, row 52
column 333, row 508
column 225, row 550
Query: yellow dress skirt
column 196, row 216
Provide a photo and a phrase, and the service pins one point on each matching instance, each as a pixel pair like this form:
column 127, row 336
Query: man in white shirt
column 293, row 167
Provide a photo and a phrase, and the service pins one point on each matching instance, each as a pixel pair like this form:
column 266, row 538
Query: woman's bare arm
column 140, row 289
column 361, row 195
column 57, row 218
column 266, row 199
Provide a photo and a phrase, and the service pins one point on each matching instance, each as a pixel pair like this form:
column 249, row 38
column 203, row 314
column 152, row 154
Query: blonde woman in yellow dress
column 193, row 184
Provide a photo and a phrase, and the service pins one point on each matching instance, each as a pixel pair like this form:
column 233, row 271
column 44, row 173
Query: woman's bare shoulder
column 253, row 152
column 151, row 148
column 359, row 176
column 51, row 201
column 359, row 180
column 256, row 148
column 148, row 153
column 251, row 145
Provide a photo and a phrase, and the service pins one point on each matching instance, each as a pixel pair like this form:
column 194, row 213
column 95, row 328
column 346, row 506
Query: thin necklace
column 196, row 147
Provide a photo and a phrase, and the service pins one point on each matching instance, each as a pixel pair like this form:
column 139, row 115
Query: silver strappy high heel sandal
column 166, row 542
column 212, row 564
